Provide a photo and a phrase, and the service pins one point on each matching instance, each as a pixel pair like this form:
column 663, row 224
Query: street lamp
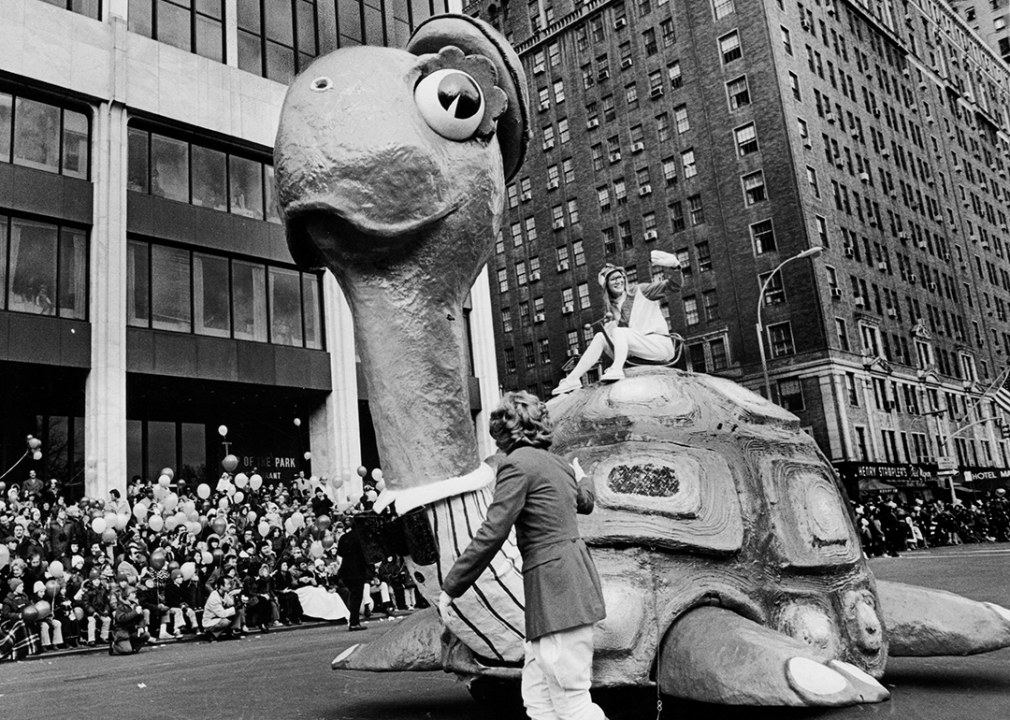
column 809, row 252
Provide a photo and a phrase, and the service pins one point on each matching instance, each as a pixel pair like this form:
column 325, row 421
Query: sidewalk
column 103, row 648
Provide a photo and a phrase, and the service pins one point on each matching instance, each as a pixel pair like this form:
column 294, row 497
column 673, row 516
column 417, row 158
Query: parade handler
column 538, row 493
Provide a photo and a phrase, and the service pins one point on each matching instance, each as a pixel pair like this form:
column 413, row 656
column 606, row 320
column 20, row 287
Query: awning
column 872, row 485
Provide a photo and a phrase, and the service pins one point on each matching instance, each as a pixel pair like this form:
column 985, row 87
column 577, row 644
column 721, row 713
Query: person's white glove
column 444, row 601
column 664, row 259
column 577, row 469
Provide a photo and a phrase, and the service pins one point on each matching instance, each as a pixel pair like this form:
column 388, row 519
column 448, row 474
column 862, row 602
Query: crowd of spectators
column 891, row 526
column 175, row 558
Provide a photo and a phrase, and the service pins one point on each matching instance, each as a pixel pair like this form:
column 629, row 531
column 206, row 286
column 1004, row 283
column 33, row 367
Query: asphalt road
column 286, row 675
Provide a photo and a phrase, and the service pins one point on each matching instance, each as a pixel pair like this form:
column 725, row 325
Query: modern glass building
column 147, row 296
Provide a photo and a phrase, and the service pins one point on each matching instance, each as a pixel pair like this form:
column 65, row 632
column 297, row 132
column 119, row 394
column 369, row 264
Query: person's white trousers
column 557, row 674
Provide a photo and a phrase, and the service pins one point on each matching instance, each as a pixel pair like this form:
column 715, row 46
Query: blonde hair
column 521, row 419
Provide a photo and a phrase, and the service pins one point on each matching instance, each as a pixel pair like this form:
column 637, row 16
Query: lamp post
column 809, row 252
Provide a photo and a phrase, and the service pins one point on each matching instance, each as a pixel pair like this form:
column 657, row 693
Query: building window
column 182, row 291
column 696, row 354
column 710, row 299
column 729, row 47
column 791, row 394
column 663, row 127
column 681, row 119
column 687, row 160
column 649, row 40
column 673, row 73
column 704, row 254
column 666, row 28
column 691, row 314
column 631, row 96
column 578, row 254
column 568, row 170
column 603, row 196
column 163, row 166
column 278, row 38
column 503, row 280
column 529, row 355
column 775, row 292
column 676, row 216
column 812, row 182
column 543, row 345
column 510, row 360
column 559, row 91
column 584, row 301
column 842, row 334
column 754, row 188
column 620, row 192
column 513, row 195
column 521, row 273
column 722, row 8
column 670, row 171
column 746, row 140
column 573, row 211
column 794, row 85
column 506, row 319
column 780, row 338
column 695, row 210
column 717, row 350
column 763, row 237
column 563, row 132
column 46, row 137
column 738, row 93
column 787, row 41
column 196, row 27
column 44, row 267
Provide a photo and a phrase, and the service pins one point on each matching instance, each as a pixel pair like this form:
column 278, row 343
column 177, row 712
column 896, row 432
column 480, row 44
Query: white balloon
column 223, row 430
column 241, row 479
column 255, row 482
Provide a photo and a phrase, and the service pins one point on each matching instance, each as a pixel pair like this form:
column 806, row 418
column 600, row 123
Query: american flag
column 1001, row 392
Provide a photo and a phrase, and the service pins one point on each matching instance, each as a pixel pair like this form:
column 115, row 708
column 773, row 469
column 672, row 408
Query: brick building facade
column 739, row 134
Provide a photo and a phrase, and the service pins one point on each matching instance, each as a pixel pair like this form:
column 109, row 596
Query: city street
column 286, row 674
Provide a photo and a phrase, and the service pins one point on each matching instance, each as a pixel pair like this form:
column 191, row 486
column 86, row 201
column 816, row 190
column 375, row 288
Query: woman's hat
column 609, row 270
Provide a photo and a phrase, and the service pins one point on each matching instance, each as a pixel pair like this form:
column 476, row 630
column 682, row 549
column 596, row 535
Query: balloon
column 111, row 519
column 377, row 474
column 91, row 474
column 30, row 614
column 298, row 422
column 109, row 536
column 98, row 525
column 189, row 507
column 171, row 523
column 223, row 503
column 238, row 497
column 327, row 541
column 289, row 526
column 122, row 520
column 203, row 522
column 298, row 519
column 316, row 549
column 164, row 481
column 5, row 556
column 241, row 480
column 323, row 522
column 168, row 471
column 156, row 523
column 158, row 559
column 381, row 485
column 264, row 528
column 140, row 511
column 44, row 609
column 337, row 483
column 218, row 555
column 188, row 570
column 206, row 558
column 193, row 527
column 999, row 491
column 229, row 463
column 362, row 471
column 308, row 455
column 193, row 516
column 223, row 430
column 52, row 589
column 37, row 455
column 34, row 443
column 230, row 490
column 171, row 502
column 371, row 496
column 203, row 491
column 343, row 507
column 219, row 525
column 56, row 569
column 255, row 482
column 251, row 517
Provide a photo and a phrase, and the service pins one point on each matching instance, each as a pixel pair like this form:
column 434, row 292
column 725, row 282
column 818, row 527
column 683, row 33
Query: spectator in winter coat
column 94, row 600
column 179, row 598
column 220, row 615
column 129, row 632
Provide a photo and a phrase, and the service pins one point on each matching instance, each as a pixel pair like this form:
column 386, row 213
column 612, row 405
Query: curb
column 103, row 648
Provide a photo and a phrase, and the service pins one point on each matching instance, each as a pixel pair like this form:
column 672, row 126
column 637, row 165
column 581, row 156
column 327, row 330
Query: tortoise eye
column 451, row 102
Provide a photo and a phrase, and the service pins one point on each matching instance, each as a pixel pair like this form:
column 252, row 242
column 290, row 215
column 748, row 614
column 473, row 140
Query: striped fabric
column 17, row 641
column 489, row 618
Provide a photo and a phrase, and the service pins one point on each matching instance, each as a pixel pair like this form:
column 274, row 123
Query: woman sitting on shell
column 633, row 325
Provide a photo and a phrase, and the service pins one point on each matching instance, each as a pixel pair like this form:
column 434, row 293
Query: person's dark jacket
column 353, row 567
column 95, row 599
column 12, row 606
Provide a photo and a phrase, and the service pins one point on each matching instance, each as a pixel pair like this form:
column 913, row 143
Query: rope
column 659, row 643
column 15, row 464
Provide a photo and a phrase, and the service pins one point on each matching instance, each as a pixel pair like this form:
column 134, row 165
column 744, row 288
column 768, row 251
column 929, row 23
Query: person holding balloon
column 18, row 635
column 50, row 627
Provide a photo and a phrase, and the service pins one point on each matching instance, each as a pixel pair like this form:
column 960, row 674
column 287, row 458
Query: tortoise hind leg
column 715, row 655
column 922, row 622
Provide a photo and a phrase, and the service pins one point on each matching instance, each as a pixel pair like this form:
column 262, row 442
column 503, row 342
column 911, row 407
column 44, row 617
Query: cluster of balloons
column 35, row 446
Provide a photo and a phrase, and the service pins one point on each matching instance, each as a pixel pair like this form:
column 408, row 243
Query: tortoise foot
column 411, row 644
column 715, row 655
column 922, row 622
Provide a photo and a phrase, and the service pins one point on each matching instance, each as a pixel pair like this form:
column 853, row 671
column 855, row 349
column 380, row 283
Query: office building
column 147, row 297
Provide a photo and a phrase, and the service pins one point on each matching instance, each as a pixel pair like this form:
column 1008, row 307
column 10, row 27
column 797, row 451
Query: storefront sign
column 898, row 475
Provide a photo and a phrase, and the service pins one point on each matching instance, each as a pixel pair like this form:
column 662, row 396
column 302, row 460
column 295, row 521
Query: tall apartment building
column 738, row 135
column 147, row 296
column 988, row 18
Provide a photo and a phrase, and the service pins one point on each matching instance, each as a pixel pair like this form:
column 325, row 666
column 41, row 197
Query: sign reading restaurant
column 897, row 474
